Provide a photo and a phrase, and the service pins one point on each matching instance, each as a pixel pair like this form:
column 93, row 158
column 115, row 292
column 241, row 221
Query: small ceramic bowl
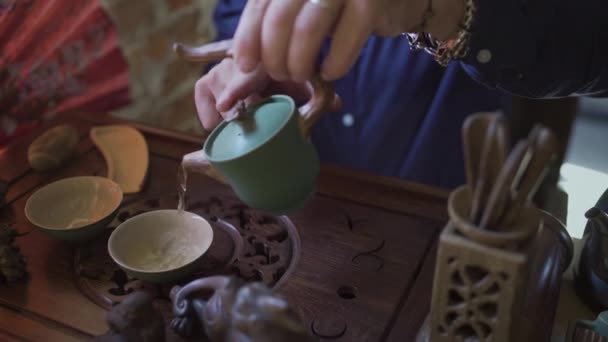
column 160, row 246
column 74, row 209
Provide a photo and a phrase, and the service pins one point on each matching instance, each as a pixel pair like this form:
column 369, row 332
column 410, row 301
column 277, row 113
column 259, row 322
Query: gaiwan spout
column 197, row 162
column 599, row 219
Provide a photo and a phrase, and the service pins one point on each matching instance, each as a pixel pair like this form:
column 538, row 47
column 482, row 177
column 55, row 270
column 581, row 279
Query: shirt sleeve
column 540, row 48
column 226, row 17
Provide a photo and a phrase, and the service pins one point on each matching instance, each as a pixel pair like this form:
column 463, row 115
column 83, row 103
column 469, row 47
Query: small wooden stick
column 474, row 135
column 544, row 147
column 499, row 197
column 493, row 157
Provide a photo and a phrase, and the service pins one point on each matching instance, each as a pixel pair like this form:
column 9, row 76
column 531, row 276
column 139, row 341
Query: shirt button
column 484, row 56
column 348, row 120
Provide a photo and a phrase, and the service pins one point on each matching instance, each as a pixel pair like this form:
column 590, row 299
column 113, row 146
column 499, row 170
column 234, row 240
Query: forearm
column 540, row 48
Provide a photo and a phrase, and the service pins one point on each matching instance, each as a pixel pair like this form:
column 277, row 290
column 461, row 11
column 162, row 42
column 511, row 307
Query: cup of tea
column 160, row 246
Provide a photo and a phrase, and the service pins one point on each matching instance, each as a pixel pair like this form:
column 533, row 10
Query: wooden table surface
column 392, row 225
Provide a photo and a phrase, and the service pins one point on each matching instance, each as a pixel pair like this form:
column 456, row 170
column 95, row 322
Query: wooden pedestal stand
column 489, row 285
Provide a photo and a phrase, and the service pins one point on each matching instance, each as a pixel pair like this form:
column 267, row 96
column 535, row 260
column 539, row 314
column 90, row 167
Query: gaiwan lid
column 232, row 139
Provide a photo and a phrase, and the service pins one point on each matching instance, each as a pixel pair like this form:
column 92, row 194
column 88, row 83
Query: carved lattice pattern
column 472, row 305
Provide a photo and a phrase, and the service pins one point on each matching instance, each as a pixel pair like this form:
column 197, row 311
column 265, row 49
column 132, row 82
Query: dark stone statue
column 12, row 262
column 216, row 309
column 134, row 320
column 226, row 309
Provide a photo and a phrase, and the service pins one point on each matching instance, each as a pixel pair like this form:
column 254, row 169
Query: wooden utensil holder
column 490, row 285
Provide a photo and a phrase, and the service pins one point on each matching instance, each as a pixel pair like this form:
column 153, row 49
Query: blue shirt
column 402, row 112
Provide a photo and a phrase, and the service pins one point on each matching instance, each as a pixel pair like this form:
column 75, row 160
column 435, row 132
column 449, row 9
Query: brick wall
column 161, row 86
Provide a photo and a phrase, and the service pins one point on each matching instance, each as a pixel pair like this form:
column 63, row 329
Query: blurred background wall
column 161, row 86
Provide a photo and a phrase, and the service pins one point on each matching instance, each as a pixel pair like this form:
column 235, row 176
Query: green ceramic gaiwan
column 265, row 153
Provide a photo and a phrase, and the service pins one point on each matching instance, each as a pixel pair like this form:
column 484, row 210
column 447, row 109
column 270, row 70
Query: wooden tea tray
column 360, row 267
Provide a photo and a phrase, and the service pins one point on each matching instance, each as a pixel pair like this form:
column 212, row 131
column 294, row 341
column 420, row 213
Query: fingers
column 209, row 89
column 285, row 36
column 350, row 35
column 217, row 93
column 276, row 35
column 247, row 37
column 235, row 111
column 205, row 104
column 312, row 26
column 240, row 86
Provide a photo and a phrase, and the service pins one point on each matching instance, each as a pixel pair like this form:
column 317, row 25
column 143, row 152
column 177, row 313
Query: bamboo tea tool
column 498, row 251
column 495, row 153
column 542, row 152
column 478, row 130
column 499, row 196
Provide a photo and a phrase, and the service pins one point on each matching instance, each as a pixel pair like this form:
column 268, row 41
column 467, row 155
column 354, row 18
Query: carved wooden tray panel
column 363, row 251
column 247, row 243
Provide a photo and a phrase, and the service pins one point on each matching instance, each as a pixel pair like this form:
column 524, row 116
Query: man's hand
column 285, row 36
column 218, row 92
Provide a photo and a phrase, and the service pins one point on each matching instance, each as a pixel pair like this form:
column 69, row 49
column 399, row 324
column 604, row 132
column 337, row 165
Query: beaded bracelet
column 444, row 51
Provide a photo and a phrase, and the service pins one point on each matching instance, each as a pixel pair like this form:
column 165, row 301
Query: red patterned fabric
column 57, row 56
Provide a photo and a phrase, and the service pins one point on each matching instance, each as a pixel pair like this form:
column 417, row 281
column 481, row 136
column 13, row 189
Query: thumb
column 234, row 111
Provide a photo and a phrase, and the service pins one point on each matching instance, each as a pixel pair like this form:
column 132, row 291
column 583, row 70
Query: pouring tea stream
column 262, row 151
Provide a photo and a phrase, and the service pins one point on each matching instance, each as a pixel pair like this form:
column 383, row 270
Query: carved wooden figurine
column 235, row 312
column 134, row 320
